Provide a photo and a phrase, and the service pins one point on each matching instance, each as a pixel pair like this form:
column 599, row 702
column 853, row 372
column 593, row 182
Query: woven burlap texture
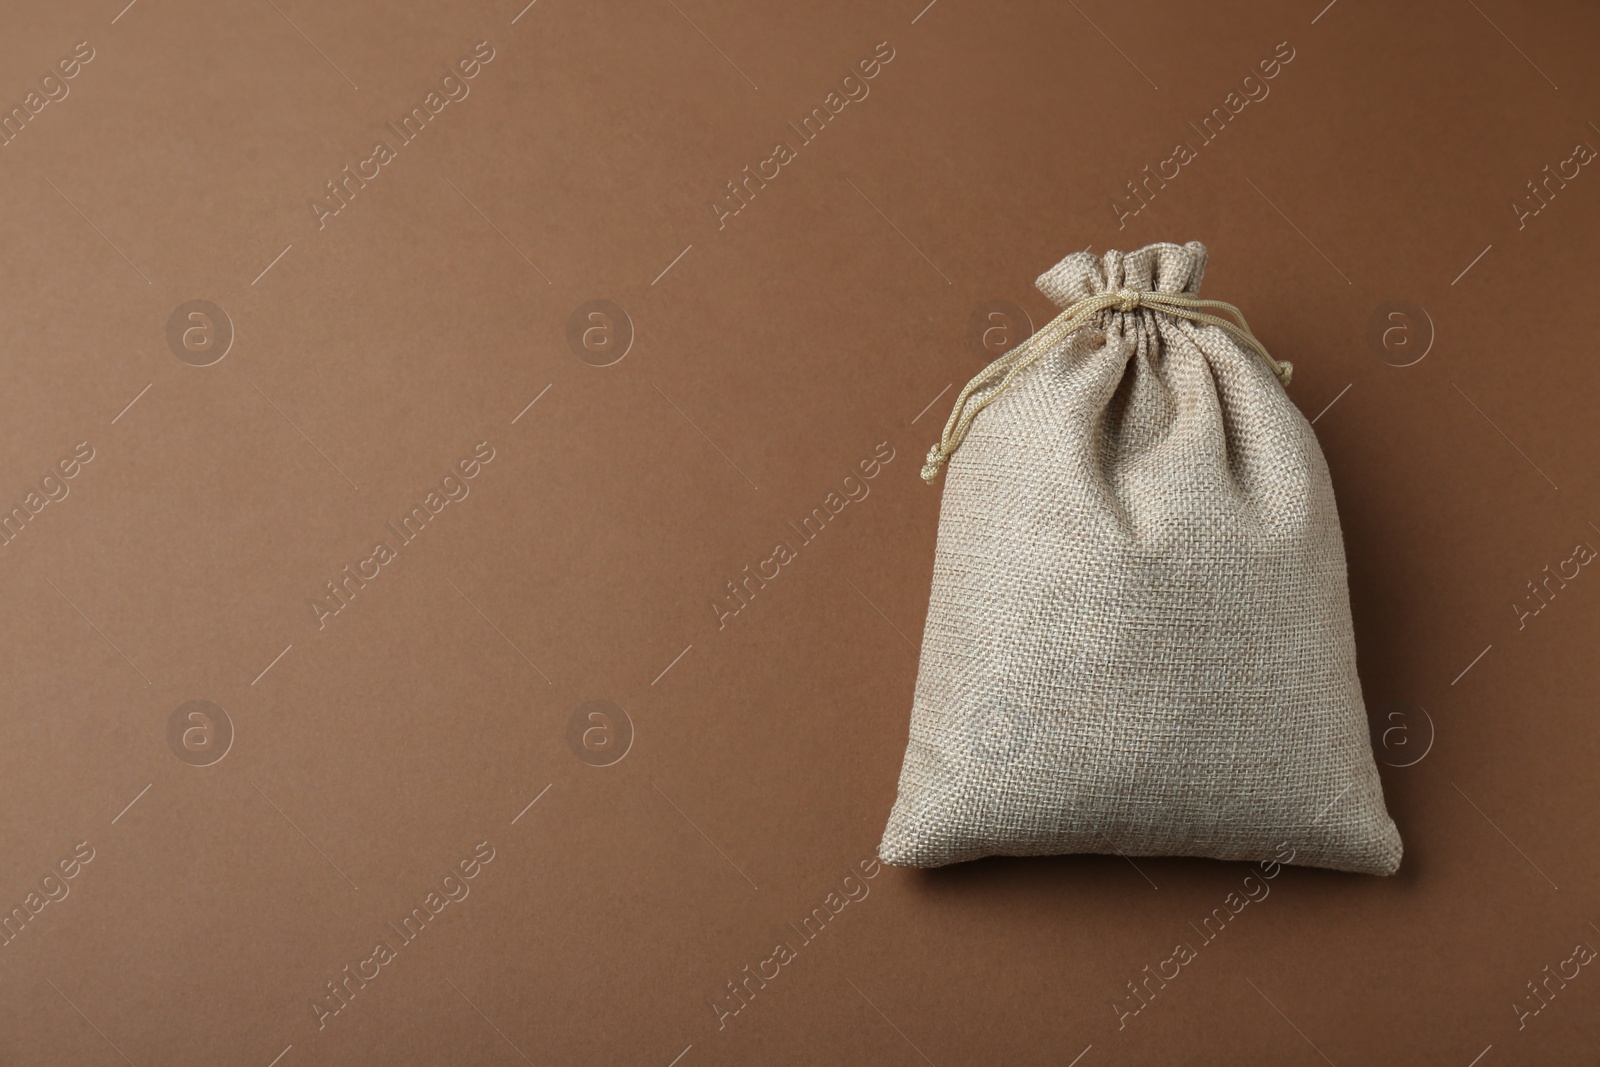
column 1138, row 639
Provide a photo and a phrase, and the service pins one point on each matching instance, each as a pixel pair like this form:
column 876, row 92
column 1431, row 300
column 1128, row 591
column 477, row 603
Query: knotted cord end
column 936, row 458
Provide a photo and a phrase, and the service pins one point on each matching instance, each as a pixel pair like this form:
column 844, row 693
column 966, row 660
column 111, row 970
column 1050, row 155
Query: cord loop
column 1003, row 371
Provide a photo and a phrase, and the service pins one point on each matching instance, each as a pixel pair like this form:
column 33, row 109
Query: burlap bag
column 1138, row 639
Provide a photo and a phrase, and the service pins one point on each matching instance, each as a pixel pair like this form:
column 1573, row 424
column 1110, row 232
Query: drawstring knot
column 1003, row 371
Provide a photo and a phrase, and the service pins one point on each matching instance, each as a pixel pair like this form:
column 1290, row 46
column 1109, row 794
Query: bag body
column 1138, row 638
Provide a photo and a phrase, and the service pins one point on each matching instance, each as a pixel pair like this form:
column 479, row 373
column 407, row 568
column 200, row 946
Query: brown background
column 773, row 355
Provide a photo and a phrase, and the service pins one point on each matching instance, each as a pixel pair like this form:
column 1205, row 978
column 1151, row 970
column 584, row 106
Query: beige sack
column 1139, row 637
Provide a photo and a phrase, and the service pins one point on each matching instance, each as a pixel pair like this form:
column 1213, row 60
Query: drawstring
column 1013, row 363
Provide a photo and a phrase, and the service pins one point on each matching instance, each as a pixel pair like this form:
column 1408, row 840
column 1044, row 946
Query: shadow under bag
column 1138, row 639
